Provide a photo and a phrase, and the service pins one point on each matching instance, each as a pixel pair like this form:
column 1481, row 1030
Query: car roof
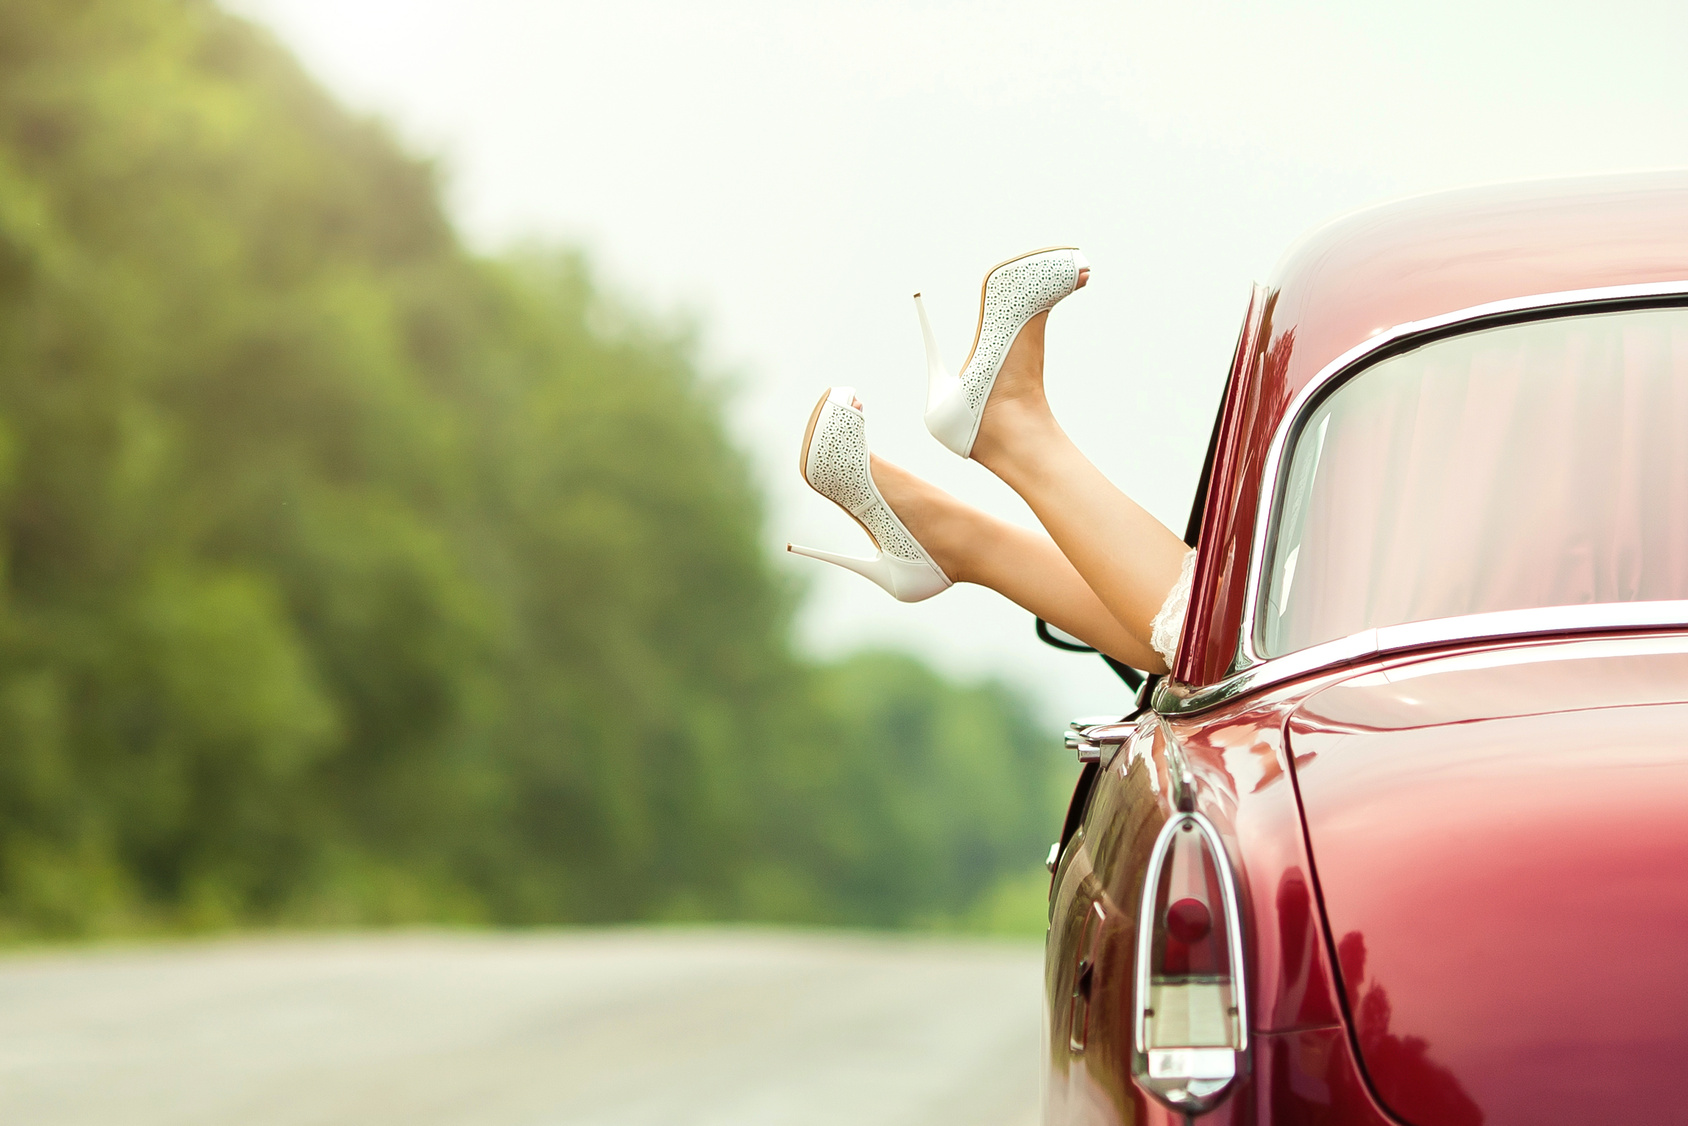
column 1433, row 255
column 1397, row 264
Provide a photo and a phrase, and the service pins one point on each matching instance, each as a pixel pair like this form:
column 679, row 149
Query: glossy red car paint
column 1500, row 840
column 1464, row 870
column 1304, row 1066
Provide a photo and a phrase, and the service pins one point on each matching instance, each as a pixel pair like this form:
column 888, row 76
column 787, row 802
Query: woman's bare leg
column 1127, row 557
column 1023, row 566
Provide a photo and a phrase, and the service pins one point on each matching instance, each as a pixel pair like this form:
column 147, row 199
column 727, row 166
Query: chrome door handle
column 1094, row 738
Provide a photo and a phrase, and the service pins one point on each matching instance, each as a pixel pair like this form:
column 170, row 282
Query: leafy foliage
column 350, row 577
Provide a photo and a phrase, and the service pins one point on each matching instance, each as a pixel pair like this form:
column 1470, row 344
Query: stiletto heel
column 882, row 569
column 946, row 403
column 1013, row 293
column 939, row 382
column 835, row 464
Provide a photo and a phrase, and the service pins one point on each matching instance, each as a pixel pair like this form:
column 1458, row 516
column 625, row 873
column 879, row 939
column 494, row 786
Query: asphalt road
column 602, row 1028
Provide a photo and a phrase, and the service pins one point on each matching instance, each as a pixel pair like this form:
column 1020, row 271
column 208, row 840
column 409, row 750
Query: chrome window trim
column 1176, row 698
column 1401, row 338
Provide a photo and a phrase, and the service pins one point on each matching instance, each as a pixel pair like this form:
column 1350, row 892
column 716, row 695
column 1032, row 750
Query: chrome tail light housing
column 1190, row 1019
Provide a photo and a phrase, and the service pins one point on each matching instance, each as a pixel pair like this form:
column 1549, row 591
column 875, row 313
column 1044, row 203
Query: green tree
column 351, row 577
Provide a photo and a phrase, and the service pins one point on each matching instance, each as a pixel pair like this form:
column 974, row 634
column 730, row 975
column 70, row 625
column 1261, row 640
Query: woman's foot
column 931, row 515
column 941, row 523
column 835, row 462
column 1014, row 300
column 1017, row 411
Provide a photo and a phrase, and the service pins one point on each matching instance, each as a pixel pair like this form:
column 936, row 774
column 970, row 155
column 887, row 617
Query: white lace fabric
column 1168, row 625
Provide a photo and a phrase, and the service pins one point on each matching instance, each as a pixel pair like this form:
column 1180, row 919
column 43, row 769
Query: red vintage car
column 1403, row 837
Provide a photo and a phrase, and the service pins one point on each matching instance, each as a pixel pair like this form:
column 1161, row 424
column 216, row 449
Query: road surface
column 591, row 1028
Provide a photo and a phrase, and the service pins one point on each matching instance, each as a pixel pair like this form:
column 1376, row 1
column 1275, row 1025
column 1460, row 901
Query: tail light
column 1191, row 1020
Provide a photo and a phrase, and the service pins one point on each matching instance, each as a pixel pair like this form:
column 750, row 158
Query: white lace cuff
column 1168, row 625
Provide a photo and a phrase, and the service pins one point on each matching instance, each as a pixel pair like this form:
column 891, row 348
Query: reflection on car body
column 1402, row 836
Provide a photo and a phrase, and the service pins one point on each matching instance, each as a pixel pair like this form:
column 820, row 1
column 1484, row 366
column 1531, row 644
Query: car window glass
column 1530, row 465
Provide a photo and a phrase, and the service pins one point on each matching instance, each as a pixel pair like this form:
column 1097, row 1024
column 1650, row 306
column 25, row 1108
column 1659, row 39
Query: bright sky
column 791, row 173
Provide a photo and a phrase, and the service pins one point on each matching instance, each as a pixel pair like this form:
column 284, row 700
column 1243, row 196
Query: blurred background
column 399, row 402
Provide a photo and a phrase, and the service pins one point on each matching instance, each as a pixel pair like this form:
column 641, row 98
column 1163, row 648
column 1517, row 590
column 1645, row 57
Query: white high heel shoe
column 835, row 464
column 1013, row 293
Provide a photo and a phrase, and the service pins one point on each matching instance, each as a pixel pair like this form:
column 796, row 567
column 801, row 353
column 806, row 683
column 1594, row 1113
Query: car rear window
column 1530, row 465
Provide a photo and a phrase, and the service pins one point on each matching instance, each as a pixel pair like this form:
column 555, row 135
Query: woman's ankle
column 1014, row 434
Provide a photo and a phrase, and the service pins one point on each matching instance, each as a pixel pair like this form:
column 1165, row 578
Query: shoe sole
column 803, row 466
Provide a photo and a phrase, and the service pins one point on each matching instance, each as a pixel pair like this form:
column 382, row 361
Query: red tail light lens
column 1191, row 1026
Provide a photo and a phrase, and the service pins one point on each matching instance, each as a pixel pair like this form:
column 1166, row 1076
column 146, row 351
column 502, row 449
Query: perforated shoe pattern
column 1014, row 294
column 837, row 468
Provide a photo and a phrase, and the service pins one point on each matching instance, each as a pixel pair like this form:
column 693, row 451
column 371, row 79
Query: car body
column 1433, row 802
